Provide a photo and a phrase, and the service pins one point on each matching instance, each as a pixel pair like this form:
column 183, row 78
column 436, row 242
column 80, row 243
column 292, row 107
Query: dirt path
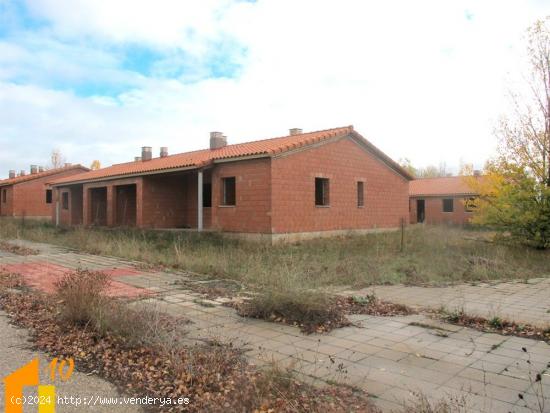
column 391, row 358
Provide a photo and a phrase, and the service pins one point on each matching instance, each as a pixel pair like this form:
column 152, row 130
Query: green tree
column 515, row 194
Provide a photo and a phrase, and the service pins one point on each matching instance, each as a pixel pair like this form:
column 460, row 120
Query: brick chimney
column 217, row 140
column 163, row 151
column 22, row 173
column 137, row 158
column 67, row 164
column 295, row 131
column 40, row 169
column 34, row 169
column 146, row 154
column 12, row 174
column 477, row 172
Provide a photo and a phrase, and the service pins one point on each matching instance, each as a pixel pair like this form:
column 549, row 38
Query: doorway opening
column 420, row 210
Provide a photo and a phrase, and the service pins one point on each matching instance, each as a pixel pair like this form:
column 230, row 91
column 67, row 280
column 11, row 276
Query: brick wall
column 164, row 201
column 29, row 198
column 344, row 163
column 102, row 197
column 6, row 208
column 252, row 212
column 125, row 197
column 272, row 195
column 434, row 211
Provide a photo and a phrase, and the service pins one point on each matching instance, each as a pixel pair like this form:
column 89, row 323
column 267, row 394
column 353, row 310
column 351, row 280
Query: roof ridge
column 288, row 136
column 199, row 158
column 47, row 172
column 235, row 144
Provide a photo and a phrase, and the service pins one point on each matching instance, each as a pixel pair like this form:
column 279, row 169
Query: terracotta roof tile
column 452, row 185
column 49, row 172
column 197, row 159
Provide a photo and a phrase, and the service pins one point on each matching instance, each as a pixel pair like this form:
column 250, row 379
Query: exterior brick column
column 111, row 206
column 139, row 203
column 86, row 206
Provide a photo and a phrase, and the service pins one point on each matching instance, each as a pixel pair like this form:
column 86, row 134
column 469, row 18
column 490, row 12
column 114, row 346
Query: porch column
column 199, row 202
column 111, row 207
column 86, row 206
column 57, row 207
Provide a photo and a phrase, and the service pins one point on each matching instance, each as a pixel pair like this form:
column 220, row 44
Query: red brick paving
column 42, row 275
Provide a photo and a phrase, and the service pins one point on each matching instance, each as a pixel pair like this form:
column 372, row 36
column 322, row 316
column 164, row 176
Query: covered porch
column 177, row 200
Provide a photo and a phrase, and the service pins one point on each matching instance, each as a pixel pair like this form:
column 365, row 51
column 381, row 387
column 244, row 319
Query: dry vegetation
column 314, row 311
column 434, row 255
column 16, row 249
column 495, row 325
column 150, row 357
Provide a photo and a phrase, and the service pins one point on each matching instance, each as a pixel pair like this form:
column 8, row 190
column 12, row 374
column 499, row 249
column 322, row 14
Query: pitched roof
column 48, row 172
column 449, row 185
column 201, row 158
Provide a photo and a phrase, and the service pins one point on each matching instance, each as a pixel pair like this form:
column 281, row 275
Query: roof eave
column 381, row 155
column 124, row 176
column 445, row 194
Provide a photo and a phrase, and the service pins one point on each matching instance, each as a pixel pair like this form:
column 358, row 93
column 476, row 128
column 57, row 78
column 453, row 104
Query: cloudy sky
column 98, row 79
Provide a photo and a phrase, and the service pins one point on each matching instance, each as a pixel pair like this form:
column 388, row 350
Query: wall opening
column 65, row 200
column 360, row 194
column 448, row 205
column 229, row 197
column 76, row 205
column 126, row 205
column 420, row 210
column 98, row 206
column 322, row 192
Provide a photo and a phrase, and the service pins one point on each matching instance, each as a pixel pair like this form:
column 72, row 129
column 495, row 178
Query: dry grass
column 211, row 375
column 431, row 255
column 450, row 404
column 81, row 300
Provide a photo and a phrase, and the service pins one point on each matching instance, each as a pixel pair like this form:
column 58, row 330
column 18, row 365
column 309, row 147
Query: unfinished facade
column 444, row 200
column 30, row 195
column 324, row 182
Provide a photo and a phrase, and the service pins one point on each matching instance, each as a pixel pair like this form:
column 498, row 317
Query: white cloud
column 419, row 79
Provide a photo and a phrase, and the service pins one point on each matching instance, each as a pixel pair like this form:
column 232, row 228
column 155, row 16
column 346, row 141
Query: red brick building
column 440, row 200
column 30, row 195
column 324, row 182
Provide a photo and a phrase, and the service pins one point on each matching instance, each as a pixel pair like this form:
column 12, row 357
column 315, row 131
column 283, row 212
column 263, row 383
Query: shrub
column 311, row 310
column 82, row 295
column 83, row 301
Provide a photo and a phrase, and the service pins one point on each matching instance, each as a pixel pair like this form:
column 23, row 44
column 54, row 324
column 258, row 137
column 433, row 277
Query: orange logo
column 29, row 375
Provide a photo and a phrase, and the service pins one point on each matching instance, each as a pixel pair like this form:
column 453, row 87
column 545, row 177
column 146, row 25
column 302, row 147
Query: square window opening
column 322, row 192
column 448, row 205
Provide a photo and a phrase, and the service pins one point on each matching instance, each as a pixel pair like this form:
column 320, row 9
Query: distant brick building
column 440, row 200
column 29, row 195
column 325, row 182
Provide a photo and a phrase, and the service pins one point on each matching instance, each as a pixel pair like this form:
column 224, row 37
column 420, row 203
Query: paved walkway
column 524, row 302
column 391, row 358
